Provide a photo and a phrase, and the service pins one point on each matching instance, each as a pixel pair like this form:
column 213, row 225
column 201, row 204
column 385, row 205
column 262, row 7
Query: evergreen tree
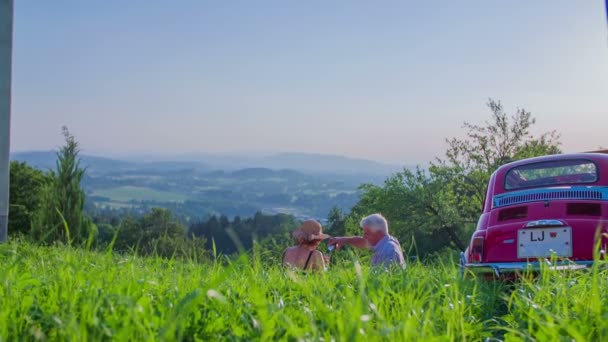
column 62, row 216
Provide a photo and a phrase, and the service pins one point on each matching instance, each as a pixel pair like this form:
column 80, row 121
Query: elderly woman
column 305, row 255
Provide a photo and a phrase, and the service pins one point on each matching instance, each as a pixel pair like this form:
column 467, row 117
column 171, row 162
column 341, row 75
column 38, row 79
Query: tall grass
column 63, row 293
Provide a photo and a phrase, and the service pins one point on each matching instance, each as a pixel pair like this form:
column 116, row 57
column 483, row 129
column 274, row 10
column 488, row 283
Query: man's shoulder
column 388, row 240
column 393, row 244
column 393, row 240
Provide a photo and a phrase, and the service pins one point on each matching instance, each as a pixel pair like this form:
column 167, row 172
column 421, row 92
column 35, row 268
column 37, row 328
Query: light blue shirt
column 387, row 251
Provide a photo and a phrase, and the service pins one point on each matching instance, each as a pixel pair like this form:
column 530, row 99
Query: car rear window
column 577, row 171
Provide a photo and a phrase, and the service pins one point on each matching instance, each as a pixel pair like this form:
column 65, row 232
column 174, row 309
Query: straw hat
column 309, row 230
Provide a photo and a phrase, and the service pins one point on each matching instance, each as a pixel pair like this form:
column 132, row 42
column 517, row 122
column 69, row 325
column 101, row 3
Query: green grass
column 128, row 193
column 61, row 293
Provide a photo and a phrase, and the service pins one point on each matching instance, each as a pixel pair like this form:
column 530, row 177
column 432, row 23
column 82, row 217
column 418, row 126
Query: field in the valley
column 61, row 293
column 125, row 194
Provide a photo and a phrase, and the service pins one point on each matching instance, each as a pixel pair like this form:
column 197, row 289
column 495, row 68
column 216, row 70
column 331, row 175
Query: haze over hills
column 302, row 162
column 196, row 186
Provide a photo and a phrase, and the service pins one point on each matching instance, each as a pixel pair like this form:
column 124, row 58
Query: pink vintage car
column 550, row 210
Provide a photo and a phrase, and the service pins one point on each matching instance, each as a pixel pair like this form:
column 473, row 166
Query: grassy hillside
column 69, row 294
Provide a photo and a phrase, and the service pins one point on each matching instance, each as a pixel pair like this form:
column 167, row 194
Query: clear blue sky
column 386, row 81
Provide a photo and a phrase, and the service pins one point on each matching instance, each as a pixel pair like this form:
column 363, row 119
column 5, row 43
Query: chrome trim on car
column 547, row 194
column 545, row 223
column 501, row 268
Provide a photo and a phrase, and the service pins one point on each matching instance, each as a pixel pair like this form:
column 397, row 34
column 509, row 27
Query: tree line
column 431, row 210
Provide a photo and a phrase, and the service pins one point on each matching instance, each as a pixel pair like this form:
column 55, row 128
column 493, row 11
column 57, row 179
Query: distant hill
column 39, row 159
column 303, row 185
column 300, row 162
column 321, row 163
column 47, row 159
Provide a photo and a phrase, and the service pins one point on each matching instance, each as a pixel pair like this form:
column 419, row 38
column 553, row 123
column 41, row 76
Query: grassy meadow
column 63, row 293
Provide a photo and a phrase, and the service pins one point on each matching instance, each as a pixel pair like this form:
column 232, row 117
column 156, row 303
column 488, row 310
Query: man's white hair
column 375, row 222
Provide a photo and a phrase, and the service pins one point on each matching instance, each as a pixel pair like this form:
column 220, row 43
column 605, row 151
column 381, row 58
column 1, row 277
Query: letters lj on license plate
column 544, row 242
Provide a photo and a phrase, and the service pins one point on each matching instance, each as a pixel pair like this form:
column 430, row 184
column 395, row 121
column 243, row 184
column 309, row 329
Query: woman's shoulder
column 316, row 256
column 317, row 252
column 290, row 251
column 290, row 248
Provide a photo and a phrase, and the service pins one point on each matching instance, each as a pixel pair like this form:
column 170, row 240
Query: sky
column 386, row 81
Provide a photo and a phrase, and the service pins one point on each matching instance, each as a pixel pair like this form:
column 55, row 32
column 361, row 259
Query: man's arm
column 355, row 241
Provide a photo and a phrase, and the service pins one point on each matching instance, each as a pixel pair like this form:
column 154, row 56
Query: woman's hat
column 310, row 230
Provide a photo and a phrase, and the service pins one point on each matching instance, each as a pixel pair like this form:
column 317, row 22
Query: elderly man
column 387, row 249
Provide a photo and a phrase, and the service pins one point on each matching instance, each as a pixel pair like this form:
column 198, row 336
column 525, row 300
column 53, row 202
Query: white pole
column 6, row 51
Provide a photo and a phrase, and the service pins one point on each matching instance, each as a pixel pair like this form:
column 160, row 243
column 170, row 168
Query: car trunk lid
column 540, row 229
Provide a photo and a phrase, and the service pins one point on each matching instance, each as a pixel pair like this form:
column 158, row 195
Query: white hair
column 375, row 222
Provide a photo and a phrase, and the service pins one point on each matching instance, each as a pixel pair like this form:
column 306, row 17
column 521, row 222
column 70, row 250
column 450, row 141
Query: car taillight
column 477, row 249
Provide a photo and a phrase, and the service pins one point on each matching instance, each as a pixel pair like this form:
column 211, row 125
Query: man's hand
column 336, row 241
column 355, row 241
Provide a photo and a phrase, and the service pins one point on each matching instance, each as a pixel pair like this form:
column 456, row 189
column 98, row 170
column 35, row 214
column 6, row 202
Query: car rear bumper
column 503, row 268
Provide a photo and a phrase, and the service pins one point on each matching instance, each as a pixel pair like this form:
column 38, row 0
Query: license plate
column 544, row 242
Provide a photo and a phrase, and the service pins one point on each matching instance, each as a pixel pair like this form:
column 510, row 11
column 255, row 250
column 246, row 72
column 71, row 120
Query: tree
column 224, row 222
column 129, row 235
column 161, row 233
column 469, row 162
column 228, row 237
column 25, row 193
column 62, row 216
column 155, row 233
column 439, row 207
column 335, row 221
